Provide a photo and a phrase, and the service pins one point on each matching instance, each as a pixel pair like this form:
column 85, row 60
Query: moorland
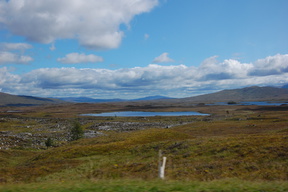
column 235, row 148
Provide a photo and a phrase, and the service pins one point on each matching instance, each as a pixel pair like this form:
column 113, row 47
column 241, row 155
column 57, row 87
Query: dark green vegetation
column 237, row 148
column 76, row 131
column 49, row 142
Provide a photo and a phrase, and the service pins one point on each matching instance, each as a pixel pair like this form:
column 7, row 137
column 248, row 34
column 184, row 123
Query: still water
column 144, row 114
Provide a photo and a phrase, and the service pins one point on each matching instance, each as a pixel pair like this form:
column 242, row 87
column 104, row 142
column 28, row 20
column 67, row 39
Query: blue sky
column 137, row 48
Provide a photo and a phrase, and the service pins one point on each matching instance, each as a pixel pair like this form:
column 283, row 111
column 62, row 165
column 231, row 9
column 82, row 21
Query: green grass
column 231, row 185
column 10, row 158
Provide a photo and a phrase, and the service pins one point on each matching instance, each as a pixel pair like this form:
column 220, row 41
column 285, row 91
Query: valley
column 239, row 147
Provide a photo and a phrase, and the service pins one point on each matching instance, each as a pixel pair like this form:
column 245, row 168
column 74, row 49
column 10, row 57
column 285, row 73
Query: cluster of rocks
column 128, row 126
column 7, row 140
column 34, row 132
column 26, row 140
column 21, row 133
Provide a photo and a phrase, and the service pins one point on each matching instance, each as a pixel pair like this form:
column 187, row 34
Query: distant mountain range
column 245, row 94
column 21, row 100
column 88, row 100
column 254, row 93
column 91, row 100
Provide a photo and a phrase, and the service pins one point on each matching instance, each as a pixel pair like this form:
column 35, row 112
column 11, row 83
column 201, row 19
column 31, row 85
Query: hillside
column 19, row 100
column 254, row 93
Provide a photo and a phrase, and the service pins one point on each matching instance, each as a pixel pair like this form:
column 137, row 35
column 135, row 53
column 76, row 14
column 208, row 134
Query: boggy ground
column 30, row 127
column 246, row 143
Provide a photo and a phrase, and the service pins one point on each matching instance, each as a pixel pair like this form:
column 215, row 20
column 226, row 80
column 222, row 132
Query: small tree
column 49, row 142
column 76, row 132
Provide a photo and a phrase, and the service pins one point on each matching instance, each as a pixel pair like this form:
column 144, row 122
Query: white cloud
column 163, row 58
column 12, row 58
column 211, row 69
column 174, row 80
column 8, row 81
column 12, row 53
column 94, row 23
column 73, row 58
column 271, row 65
column 15, row 46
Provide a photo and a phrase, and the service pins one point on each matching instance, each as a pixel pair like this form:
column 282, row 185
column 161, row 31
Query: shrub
column 49, row 142
column 76, row 132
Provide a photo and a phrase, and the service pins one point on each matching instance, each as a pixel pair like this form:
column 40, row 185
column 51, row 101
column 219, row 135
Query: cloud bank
column 95, row 24
column 174, row 80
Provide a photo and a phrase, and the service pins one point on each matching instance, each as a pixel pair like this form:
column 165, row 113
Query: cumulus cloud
column 271, row 65
column 211, row 69
column 12, row 53
column 73, row 58
column 94, row 23
column 8, row 81
column 163, row 58
column 12, row 58
column 154, row 79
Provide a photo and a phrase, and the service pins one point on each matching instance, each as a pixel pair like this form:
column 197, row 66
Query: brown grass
column 245, row 143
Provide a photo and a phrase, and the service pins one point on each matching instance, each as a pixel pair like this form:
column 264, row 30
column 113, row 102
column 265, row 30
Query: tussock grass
column 204, row 159
column 56, row 159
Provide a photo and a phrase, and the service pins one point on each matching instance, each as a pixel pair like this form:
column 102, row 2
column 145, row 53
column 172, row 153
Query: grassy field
column 244, row 149
column 231, row 185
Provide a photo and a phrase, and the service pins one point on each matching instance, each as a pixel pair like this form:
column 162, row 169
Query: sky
column 135, row 48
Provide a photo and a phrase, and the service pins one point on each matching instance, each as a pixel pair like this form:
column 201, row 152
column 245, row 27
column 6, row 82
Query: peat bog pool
column 145, row 114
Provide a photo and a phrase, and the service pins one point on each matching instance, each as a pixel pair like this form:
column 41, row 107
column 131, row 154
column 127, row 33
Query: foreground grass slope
column 246, row 151
column 231, row 185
